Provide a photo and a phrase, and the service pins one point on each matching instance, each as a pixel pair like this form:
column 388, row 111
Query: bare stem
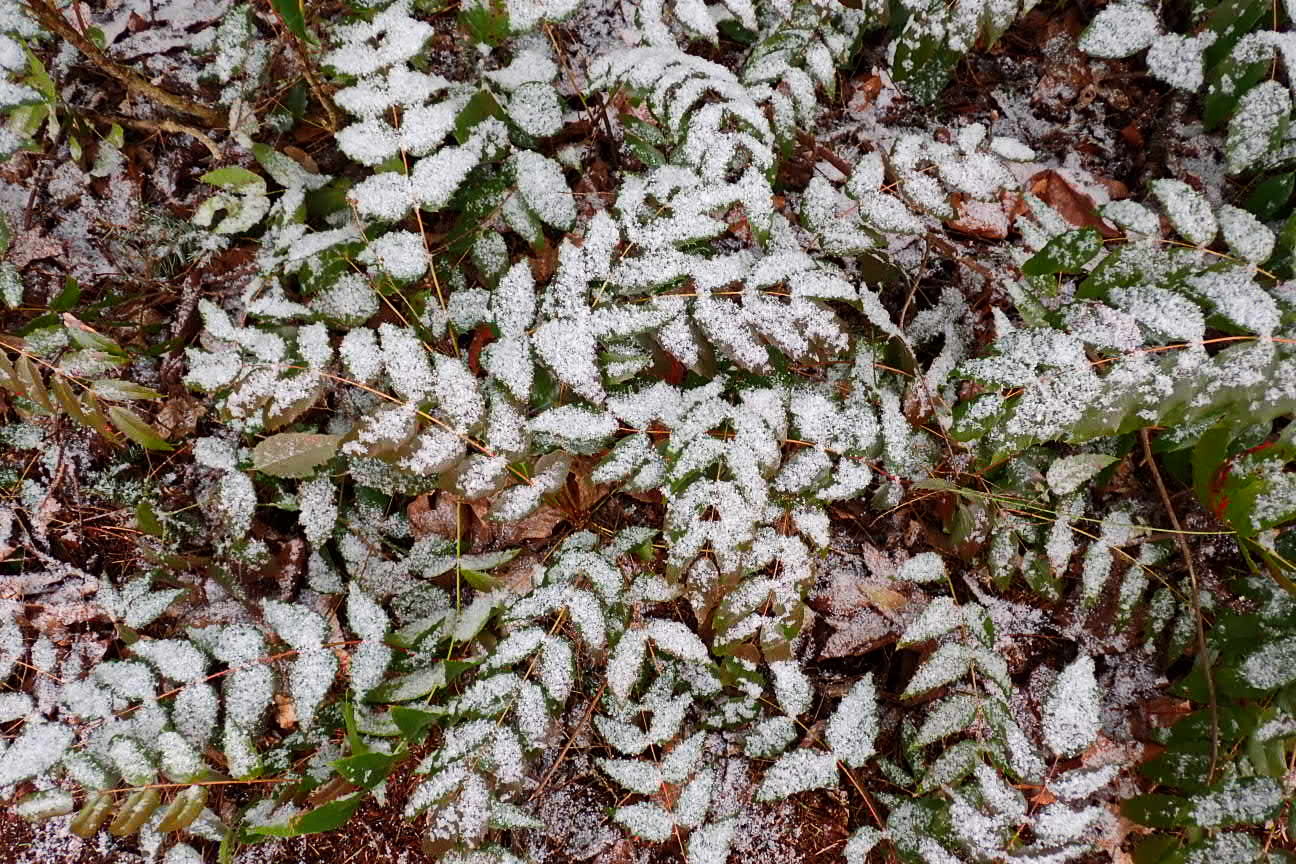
column 1203, row 653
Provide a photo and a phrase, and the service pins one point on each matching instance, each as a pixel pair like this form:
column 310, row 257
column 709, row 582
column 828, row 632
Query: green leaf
column 488, row 560
column 124, row 391
column 1269, row 197
column 294, row 454
column 326, row 817
column 922, row 63
column 1154, row 849
column 485, row 21
column 294, row 18
column 1158, row 811
column 367, row 769
column 92, row 341
column 1184, row 766
column 39, row 78
column 1066, row 253
column 482, row 105
column 412, row 721
column 68, row 297
column 479, row 580
column 136, row 429
column 1208, row 457
column 146, row 520
column 233, row 177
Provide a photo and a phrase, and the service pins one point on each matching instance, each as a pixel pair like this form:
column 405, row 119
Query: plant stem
column 1203, row 652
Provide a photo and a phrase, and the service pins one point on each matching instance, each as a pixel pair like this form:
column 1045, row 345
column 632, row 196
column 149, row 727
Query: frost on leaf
column 33, row 752
column 176, row 659
column 309, row 679
column 853, row 727
column 791, row 687
column 542, row 186
column 923, row 568
column 1247, row 237
column 798, row 771
column 193, row 713
column 1068, row 474
column 295, row 624
column 1071, row 713
column 648, row 821
column 1177, row 60
column 861, row 843
column 1189, row 212
column 940, row 617
column 1262, row 113
column 1120, row 30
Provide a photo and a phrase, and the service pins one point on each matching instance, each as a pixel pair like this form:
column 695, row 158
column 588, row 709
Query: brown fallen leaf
column 285, row 713
column 985, row 219
column 482, row 337
column 178, row 418
column 863, row 95
column 537, row 526
column 1071, row 204
column 29, row 246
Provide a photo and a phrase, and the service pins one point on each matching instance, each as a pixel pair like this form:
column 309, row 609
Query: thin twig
column 1203, row 653
column 164, row 125
column 544, row 781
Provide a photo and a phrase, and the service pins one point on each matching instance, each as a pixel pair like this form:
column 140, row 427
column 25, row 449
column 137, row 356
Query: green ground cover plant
column 643, row 431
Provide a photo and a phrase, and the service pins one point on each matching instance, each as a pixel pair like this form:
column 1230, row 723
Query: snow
column 925, row 567
column 1122, row 29
column 853, row 727
column 1247, row 237
column 1177, row 60
column 1071, row 714
column 797, row 771
column 1259, row 118
column 401, row 254
column 1189, row 212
